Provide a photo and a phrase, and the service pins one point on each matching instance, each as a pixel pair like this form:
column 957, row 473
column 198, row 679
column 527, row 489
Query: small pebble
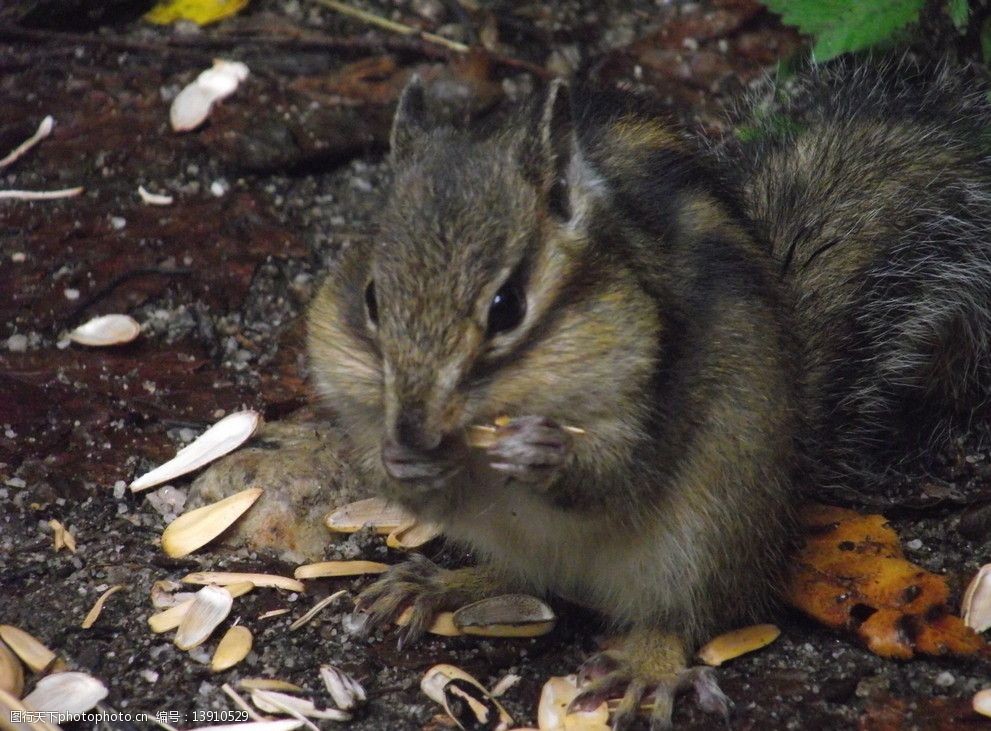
column 71, row 294
column 17, row 343
column 914, row 545
column 945, row 679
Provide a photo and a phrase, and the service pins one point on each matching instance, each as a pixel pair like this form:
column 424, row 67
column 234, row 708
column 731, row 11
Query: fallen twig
column 411, row 32
column 392, row 25
column 201, row 47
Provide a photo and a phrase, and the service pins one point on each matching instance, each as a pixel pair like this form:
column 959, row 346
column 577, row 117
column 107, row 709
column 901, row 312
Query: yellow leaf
column 201, row 12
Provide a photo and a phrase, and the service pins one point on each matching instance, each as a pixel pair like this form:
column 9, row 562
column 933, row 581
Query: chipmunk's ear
column 554, row 158
column 410, row 121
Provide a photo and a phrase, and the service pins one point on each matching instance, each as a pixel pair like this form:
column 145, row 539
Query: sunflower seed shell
column 210, row 607
column 69, row 692
column 225, row 436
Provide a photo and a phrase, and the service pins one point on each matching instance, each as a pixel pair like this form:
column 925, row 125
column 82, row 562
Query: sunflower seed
column 323, row 569
column 225, row 578
column 11, row 672
column 32, row 653
column 412, row 535
column 552, row 711
column 198, row 527
column 233, row 647
column 9, row 704
column 381, row 516
column 509, row 615
column 466, row 700
column 442, row 624
column 738, row 642
column 982, row 702
column 269, row 684
column 106, row 330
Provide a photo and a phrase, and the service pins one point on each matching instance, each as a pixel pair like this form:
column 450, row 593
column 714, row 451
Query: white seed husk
column 170, row 618
column 508, row 615
column 106, row 330
column 9, row 703
column 381, row 516
column 165, row 593
column 345, row 690
column 11, row 672
column 316, row 609
column 44, row 129
column 69, row 692
column 31, row 652
column 94, row 613
column 192, row 105
column 210, row 607
column 241, row 703
column 444, row 679
column 503, row 686
column 154, row 199
column 982, row 702
column 225, row 436
column 272, row 701
column 976, row 604
column 233, row 647
column 198, row 527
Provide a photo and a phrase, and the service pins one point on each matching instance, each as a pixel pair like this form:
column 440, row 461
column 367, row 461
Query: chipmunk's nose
column 412, row 430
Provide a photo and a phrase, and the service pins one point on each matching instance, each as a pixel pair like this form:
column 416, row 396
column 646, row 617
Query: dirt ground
column 287, row 172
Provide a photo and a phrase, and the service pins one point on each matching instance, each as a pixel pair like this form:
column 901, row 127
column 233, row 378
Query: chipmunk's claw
column 530, row 449
column 417, row 582
column 641, row 678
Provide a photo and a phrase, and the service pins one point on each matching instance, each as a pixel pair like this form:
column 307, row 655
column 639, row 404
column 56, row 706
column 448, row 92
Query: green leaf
column 839, row 26
column 959, row 11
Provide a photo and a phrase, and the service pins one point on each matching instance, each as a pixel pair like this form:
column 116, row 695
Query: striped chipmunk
column 727, row 325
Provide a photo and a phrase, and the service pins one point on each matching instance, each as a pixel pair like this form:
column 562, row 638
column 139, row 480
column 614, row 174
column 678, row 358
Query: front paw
column 418, row 583
column 531, row 449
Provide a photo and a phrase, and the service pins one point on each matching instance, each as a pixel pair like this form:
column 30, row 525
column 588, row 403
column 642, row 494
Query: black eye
column 371, row 303
column 507, row 309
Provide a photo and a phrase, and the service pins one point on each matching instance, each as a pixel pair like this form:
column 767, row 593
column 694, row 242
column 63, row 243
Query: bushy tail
column 872, row 185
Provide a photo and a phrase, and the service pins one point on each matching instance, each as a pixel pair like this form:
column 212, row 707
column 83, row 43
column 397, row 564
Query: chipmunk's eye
column 507, row 309
column 371, row 304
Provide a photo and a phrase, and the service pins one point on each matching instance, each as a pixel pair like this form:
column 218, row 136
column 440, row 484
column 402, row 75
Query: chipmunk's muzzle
column 412, row 465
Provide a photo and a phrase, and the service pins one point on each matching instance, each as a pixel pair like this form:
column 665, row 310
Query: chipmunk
column 718, row 322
